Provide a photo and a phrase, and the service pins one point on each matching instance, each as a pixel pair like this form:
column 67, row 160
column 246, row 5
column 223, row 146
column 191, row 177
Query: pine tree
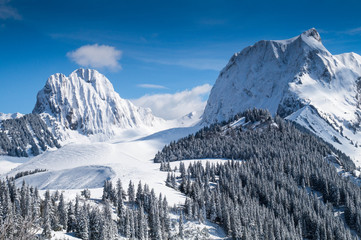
column 96, row 222
column 83, row 223
column 46, row 225
column 63, row 217
column 181, row 226
column 109, row 227
column 131, row 192
column 141, row 223
column 132, row 225
column 71, row 224
column 120, row 190
column 128, row 227
column 139, row 196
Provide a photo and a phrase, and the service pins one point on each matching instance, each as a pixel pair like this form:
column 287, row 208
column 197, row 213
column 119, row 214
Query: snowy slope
column 74, row 178
column 86, row 103
column 8, row 163
column 285, row 76
column 4, row 116
column 128, row 158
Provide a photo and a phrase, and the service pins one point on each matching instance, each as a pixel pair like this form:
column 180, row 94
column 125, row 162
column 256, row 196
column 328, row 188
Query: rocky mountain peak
column 312, row 33
column 85, row 101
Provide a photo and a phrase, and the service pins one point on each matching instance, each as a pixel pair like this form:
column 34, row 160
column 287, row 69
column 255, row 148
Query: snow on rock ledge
column 5, row 116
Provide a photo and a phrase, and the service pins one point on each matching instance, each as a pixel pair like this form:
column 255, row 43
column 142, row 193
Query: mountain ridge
column 284, row 76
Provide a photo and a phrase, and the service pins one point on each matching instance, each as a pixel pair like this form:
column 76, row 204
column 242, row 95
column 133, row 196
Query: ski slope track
column 298, row 79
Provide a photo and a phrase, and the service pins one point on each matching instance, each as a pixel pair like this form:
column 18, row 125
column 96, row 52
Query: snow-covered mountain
column 294, row 75
column 87, row 103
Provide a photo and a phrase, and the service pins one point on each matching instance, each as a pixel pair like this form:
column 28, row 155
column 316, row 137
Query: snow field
column 76, row 166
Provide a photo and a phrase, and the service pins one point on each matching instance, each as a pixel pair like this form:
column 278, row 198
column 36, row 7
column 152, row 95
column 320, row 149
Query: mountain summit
column 294, row 75
column 86, row 102
column 312, row 33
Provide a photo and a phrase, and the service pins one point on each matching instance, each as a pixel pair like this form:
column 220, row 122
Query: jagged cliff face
column 288, row 76
column 86, row 102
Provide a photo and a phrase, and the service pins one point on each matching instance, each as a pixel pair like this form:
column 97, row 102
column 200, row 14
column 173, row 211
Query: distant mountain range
column 297, row 78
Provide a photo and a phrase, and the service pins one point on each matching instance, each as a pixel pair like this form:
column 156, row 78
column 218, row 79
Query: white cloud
column 97, row 56
column 173, row 106
column 8, row 12
column 154, row 86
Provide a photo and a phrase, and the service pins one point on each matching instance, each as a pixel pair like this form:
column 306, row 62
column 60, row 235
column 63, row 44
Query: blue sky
column 156, row 47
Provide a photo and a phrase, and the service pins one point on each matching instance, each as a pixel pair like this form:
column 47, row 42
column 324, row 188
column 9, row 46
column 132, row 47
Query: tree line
column 283, row 185
column 132, row 213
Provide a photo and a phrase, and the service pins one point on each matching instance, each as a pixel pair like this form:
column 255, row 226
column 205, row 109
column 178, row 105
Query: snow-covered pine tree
column 71, row 223
column 131, row 192
column 181, row 226
column 63, row 217
column 46, row 224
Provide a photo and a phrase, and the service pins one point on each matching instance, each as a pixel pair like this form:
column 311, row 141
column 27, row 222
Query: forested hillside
column 282, row 184
column 285, row 187
column 24, row 135
column 253, row 134
column 271, row 200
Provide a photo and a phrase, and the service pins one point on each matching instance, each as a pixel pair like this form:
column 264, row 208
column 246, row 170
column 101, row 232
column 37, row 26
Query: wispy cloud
column 8, row 12
column 354, row 31
column 154, row 86
column 97, row 56
column 177, row 105
column 195, row 63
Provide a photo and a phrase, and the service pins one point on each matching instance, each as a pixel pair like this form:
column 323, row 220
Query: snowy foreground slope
column 88, row 165
column 298, row 74
column 86, row 103
column 129, row 157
